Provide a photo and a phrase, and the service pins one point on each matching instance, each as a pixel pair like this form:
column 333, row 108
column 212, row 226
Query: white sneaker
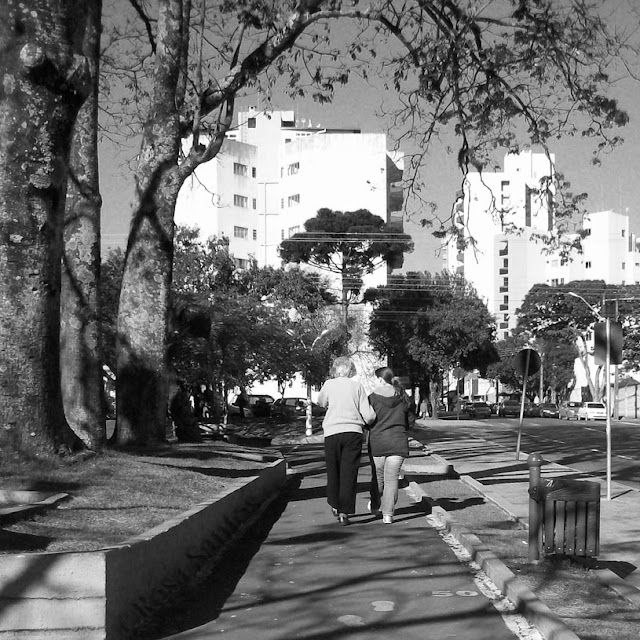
column 387, row 519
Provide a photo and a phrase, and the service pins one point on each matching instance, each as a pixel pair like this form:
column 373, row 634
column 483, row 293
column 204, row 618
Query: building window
column 293, row 230
column 587, row 264
column 240, row 169
column 624, row 264
column 587, row 232
column 505, row 299
column 623, row 233
column 241, row 263
column 293, row 168
column 251, row 123
column 505, row 195
column 282, row 203
column 254, row 172
column 255, row 203
column 240, row 201
column 505, row 282
column 240, row 232
column 528, row 197
column 554, row 282
column 282, row 234
column 255, row 234
column 293, row 200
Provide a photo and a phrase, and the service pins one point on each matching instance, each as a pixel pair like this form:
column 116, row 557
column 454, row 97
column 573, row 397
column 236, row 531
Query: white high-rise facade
column 274, row 173
column 610, row 252
column 501, row 265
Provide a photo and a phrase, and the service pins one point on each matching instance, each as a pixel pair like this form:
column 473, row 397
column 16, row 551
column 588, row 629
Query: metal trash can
column 564, row 514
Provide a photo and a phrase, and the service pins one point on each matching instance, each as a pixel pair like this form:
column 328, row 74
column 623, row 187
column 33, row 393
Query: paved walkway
column 314, row 579
column 495, row 472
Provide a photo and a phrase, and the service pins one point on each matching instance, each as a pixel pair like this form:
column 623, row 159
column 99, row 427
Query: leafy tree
column 351, row 244
column 554, row 311
column 493, row 76
column 486, row 74
column 428, row 324
column 238, row 326
column 557, row 351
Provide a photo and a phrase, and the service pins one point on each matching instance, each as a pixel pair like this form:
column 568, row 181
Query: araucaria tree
column 351, row 244
column 427, row 325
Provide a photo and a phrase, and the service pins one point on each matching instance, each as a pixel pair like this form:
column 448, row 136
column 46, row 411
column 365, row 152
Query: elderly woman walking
column 348, row 410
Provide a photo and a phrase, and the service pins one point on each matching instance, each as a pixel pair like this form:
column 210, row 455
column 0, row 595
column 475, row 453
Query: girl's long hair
column 386, row 374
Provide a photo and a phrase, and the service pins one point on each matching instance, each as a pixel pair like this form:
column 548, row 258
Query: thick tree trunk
column 44, row 84
column 80, row 346
column 141, row 382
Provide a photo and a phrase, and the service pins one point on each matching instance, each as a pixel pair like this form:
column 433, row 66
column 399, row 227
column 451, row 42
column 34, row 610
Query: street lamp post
column 607, row 322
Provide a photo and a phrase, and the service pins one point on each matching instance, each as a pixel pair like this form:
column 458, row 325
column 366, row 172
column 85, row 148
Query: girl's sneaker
column 387, row 519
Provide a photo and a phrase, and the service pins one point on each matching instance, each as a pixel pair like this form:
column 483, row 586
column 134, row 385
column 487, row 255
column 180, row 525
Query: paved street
column 314, row 579
column 581, row 445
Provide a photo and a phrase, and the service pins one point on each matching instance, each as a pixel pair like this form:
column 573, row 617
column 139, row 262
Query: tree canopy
column 563, row 313
column 351, row 244
column 495, row 75
column 428, row 325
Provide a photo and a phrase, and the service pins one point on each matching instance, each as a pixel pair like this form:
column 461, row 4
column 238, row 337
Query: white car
column 592, row 411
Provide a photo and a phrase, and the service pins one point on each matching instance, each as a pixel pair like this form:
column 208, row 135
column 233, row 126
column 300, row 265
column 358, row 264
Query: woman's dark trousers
column 342, row 454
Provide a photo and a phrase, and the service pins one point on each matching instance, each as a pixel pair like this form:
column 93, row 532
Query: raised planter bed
column 106, row 594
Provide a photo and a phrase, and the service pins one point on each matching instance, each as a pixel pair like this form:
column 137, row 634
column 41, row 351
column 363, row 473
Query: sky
column 613, row 185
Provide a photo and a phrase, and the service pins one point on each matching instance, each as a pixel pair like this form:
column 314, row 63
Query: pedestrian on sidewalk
column 348, row 410
column 388, row 436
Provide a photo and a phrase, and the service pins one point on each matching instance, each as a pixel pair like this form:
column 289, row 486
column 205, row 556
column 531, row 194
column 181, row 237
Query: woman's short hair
column 343, row 367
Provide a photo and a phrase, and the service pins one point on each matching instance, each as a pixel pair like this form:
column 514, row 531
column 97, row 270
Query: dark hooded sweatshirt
column 388, row 434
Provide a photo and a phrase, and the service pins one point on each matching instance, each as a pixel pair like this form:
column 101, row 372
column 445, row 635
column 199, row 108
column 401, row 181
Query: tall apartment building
column 274, row 173
column 610, row 252
column 503, row 265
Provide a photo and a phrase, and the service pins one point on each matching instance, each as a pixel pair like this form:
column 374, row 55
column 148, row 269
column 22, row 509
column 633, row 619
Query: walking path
column 315, row 579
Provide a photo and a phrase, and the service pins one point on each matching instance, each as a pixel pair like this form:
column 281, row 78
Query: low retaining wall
column 107, row 594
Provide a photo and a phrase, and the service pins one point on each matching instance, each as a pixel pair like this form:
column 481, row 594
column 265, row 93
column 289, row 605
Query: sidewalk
column 314, row 579
column 495, row 472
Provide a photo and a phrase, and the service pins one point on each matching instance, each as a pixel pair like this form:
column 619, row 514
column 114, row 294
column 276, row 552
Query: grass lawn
column 116, row 495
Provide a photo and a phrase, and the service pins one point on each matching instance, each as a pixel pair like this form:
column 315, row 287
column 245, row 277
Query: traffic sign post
column 607, row 343
column 527, row 363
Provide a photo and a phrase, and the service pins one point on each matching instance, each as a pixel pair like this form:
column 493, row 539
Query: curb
column 548, row 623
column 625, row 590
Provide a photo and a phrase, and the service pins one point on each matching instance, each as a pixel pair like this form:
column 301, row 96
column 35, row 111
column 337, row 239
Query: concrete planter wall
column 106, row 594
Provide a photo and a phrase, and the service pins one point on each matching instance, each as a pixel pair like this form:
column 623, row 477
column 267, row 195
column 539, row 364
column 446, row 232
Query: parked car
column 532, row 410
column 292, row 407
column 478, row 410
column 507, row 408
column 257, row 404
column 592, row 411
column 569, row 409
column 549, row 410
